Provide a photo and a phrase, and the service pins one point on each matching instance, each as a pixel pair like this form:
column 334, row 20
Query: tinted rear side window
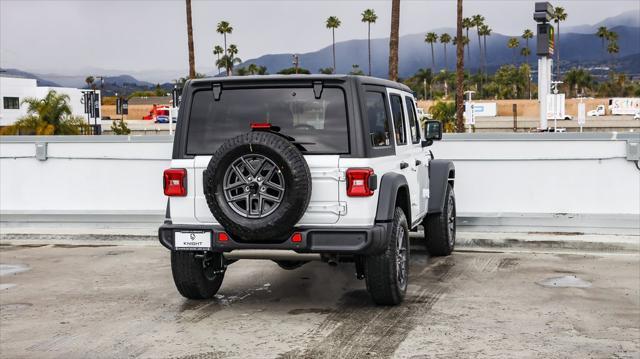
column 398, row 119
column 413, row 122
column 317, row 125
column 377, row 118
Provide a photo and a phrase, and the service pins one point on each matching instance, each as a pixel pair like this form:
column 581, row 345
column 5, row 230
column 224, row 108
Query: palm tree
column 252, row 69
column 228, row 62
column 218, row 50
column 485, row 31
column 527, row 35
column 431, row 38
column 478, row 21
column 394, row 39
column 460, row 68
column 578, row 79
column 613, row 49
column 192, row 60
column 89, row 80
column 559, row 15
column 526, row 52
column 467, row 23
column 444, row 40
column 424, row 76
column 223, row 29
column 333, row 23
column 513, row 44
column 612, row 46
column 369, row 16
column 602, row 33
column 231, row 60
column 51, row 109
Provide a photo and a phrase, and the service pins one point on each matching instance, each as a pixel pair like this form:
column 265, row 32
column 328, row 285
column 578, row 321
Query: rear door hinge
column 335, row 174
column 339, row 208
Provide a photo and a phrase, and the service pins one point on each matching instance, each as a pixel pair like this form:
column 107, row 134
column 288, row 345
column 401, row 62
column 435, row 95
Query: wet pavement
column 113, row 299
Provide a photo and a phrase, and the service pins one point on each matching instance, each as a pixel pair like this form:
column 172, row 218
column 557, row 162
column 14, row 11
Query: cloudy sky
column 131, row 36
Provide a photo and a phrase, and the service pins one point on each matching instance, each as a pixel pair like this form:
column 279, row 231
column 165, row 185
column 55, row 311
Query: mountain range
column 578, row 45
column 415, row 53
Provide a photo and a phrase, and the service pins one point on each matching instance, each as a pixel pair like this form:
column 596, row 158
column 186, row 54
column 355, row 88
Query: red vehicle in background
column 159, row 114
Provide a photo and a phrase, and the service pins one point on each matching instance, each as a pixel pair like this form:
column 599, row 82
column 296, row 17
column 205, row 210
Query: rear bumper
column 361, row 240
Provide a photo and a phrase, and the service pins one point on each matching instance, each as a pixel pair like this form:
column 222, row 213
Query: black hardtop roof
column 362, row 80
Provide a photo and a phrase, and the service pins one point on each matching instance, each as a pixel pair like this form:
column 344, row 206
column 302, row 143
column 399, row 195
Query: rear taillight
column 175, row 182
column 361, row 182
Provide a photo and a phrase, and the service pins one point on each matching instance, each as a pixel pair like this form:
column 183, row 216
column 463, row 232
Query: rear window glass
column 317, row 125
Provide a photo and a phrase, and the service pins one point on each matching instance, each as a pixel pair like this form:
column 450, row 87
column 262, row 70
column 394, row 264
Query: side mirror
column 433, row 130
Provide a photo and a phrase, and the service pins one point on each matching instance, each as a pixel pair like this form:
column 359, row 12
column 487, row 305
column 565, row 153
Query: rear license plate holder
column 192, row 240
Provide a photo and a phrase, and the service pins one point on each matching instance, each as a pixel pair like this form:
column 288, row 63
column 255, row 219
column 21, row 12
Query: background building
column 14, row 89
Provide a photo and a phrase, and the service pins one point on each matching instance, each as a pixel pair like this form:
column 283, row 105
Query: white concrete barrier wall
column 506, row 182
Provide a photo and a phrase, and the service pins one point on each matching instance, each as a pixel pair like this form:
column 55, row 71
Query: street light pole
column 545, row 43
column 470, row 120
column 296, row 62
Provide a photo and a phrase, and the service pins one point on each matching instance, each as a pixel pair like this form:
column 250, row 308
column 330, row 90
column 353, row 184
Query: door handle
column 403, row 165
column 418, row 162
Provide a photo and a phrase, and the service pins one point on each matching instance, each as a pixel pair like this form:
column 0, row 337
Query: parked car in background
column 599, row 111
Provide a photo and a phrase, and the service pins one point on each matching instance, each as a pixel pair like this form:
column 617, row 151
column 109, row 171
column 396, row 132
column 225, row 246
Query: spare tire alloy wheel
column 258, row 186
column 254, row 186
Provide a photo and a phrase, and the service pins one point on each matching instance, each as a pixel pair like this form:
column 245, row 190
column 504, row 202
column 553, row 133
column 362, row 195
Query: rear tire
column 387, row 274
column 440, row 228
column 194, row 277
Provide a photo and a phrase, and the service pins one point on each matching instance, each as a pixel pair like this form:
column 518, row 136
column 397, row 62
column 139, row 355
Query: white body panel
column 324, row 206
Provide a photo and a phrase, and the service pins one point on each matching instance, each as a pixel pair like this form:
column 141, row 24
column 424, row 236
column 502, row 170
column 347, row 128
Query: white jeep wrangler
column 295, row 168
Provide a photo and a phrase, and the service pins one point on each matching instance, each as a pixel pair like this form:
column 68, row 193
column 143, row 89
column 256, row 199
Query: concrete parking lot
column 116, row 299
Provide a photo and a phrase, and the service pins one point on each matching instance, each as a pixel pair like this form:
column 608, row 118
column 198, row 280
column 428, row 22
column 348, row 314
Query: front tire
column 195, row 278
column 387, row 274
column 440, row 228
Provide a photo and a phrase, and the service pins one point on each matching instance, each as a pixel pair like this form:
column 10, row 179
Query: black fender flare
column 441, row 172
column 390, row 184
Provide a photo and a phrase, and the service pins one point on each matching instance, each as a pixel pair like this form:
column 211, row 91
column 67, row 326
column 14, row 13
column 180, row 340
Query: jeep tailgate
column 324, row 206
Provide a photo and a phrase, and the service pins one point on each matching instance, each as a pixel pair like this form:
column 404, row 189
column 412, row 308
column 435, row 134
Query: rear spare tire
column 258, row 186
